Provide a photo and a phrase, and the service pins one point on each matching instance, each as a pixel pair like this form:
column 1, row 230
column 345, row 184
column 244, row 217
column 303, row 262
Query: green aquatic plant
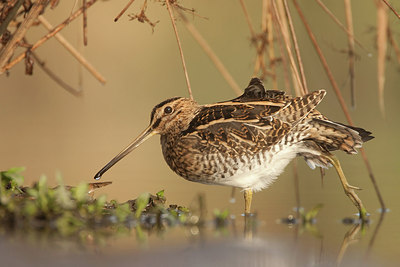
column 69, row 210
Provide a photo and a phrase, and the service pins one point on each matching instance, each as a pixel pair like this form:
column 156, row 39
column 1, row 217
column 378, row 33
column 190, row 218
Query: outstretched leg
column 348, row 189
column 248, row 194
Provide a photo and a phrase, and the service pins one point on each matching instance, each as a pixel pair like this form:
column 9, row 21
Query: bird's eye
column 167, row 110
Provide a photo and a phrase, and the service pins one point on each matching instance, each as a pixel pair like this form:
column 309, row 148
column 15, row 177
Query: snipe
column 248, row 141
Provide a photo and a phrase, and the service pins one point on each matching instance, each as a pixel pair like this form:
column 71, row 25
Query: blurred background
column 48, row 130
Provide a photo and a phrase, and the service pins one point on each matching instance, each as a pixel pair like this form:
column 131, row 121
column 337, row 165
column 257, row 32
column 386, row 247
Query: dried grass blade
column 56, row 78
column 10, row 16
column 381, row 43
column 123, row 10
column 84, row 22
column 391, row 8
column 337, row 21
column 283, row 27
column 246, row 15
column 285, row 64
column 350, row 38
column 267, row 28
column 75, row 53
column 296, row 48
column 210, row 53
column 179, row 46
column 394, row 45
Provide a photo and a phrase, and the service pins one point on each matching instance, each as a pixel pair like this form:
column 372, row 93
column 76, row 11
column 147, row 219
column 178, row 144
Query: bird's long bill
column 140, row 139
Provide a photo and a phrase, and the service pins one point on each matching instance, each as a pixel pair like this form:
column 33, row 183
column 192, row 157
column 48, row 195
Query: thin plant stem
column 296, row 48
column 337, row 21
column 10, row 16
column 56, row 78
column 394, row 44
column 180, row 47
column 267, row 28
column 84, row 22
column 282, row 53
column 289, row 51
column 246, row 15
column 73, row 51
column 391, row 8
column 123, row 10
column 381, row 45
column 210, row 53
column 325, row 64
column 350, row 38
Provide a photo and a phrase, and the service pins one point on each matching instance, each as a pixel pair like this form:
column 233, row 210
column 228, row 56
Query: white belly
column 261, row 176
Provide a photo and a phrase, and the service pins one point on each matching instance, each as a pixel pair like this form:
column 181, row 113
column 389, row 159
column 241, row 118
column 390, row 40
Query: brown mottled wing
column 231, row 127
column 251, row 125
column 300, row 107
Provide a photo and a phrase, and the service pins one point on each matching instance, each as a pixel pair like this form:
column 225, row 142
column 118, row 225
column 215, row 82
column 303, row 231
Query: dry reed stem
column 171, row 15
column 260, row 48
column 325, row 64
column 285, row 33
column 381, row 43
column 210, row 53
column 278, row 34
column 337, row 21
column 56, row 78
column 246, row 15
column 10, row 16
column 46, row 37
column 73, row 51
column 84, row 22
column 350, row 38
column 340, row 98
column 123, row 10
column 391, row 8
column 394, row 45
column 19, row 34
column 267, row 27
column 296, row 48
column 373, row 180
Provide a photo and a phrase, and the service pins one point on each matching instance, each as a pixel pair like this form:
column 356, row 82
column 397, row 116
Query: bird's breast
column 197, row 161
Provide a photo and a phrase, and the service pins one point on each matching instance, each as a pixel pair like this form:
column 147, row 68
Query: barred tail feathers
column 336, row 136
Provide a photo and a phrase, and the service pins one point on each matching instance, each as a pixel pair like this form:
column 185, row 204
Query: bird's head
column 169, row 117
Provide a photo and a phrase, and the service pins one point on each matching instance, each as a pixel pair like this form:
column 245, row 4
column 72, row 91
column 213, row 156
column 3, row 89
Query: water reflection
column 236, row 240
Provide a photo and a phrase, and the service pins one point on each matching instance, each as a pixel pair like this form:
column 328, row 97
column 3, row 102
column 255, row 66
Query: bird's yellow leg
column 348, row 189
column 248, row 194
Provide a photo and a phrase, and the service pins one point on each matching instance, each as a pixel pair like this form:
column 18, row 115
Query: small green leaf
column 141, row 204
column 312, row 213
column 81, row 192
column 222, row 215
column 160, row 194
column 122, row 211
column 62, row 195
